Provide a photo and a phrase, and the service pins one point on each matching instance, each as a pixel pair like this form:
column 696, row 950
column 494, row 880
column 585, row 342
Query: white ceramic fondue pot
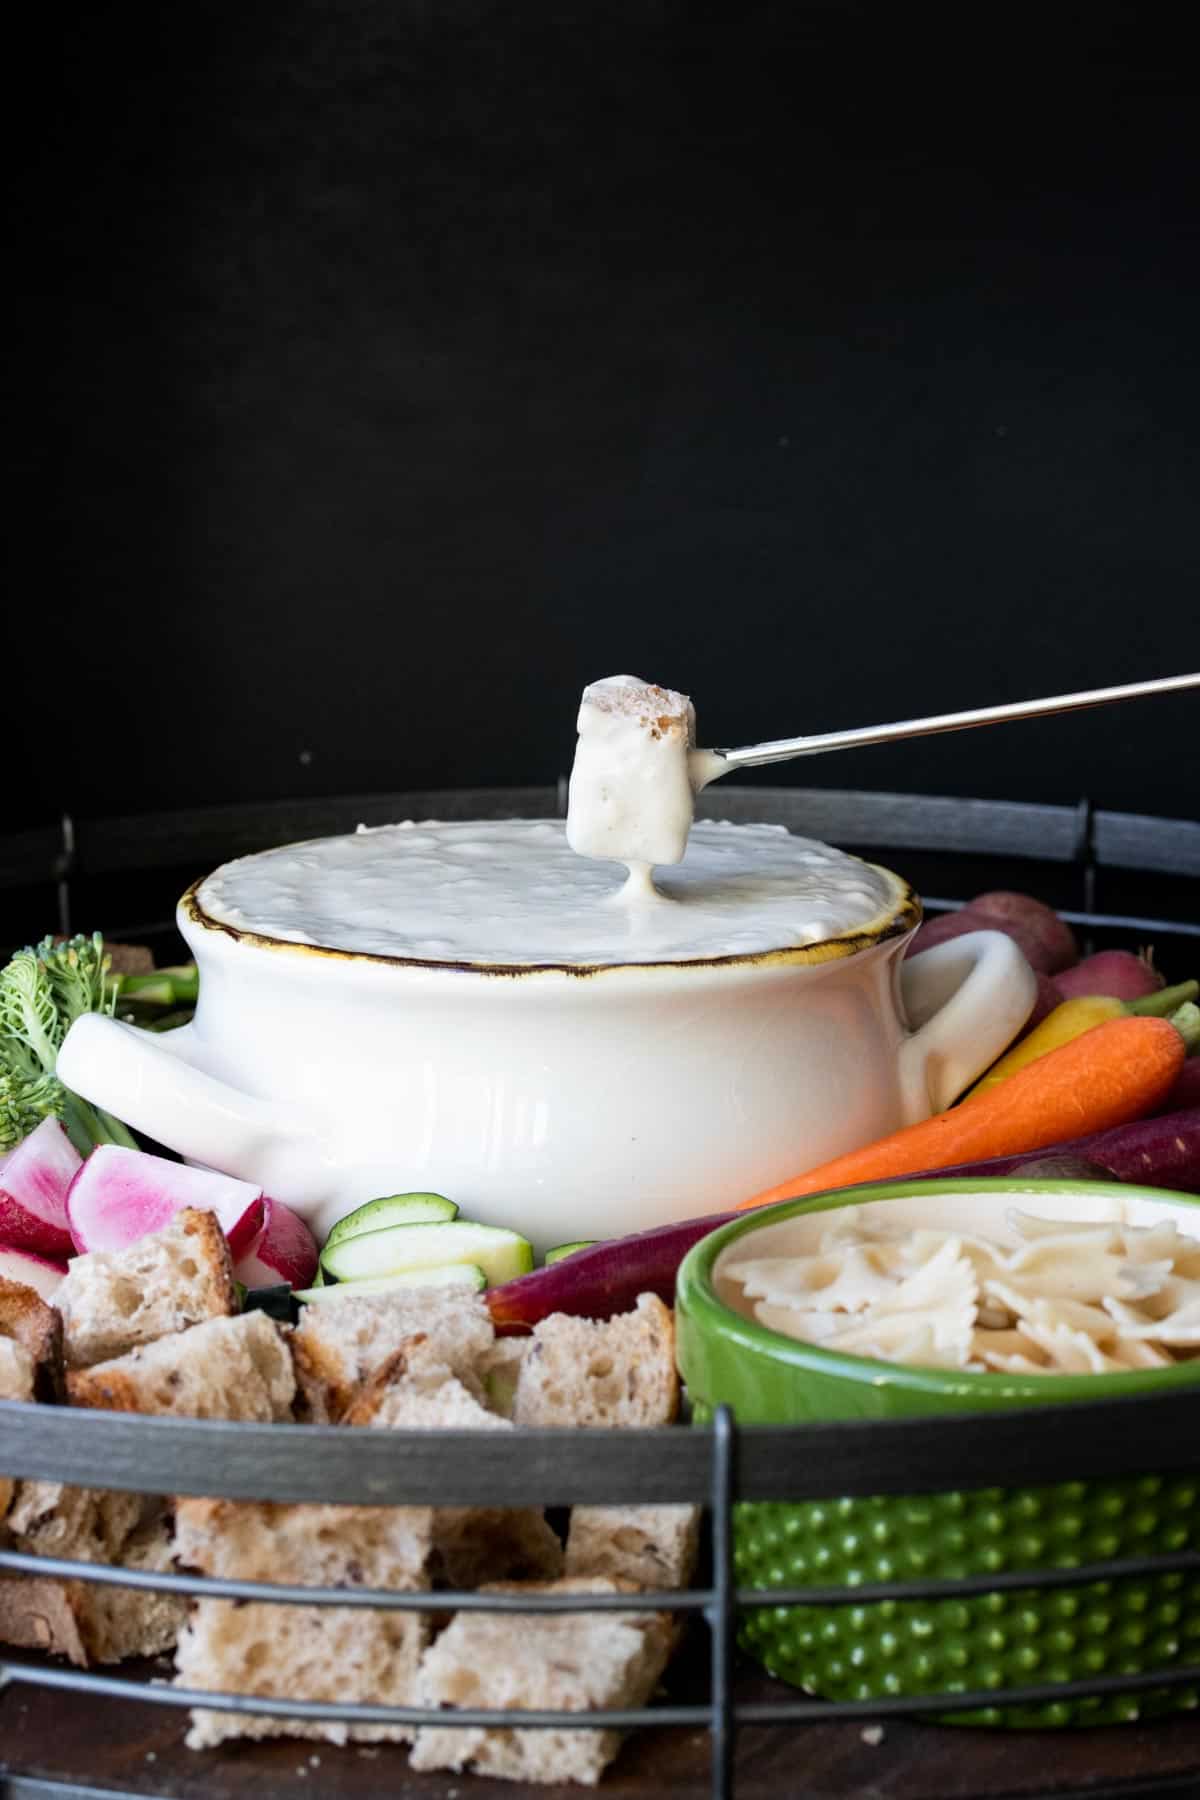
column 568, row 1102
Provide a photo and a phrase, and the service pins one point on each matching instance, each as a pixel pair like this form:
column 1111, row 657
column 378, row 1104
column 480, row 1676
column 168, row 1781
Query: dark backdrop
column 382, row 372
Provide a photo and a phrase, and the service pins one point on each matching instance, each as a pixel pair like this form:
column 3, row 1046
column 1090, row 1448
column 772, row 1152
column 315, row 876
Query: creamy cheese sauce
column 514, row 892
column 631, row 796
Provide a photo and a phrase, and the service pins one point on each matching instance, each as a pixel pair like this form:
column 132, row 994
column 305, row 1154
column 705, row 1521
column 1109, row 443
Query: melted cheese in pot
column 512, row 892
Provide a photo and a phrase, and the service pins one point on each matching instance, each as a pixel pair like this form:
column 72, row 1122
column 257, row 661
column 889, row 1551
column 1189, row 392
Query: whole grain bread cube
column 47, row 1518
column 331, row 1653
column 473, row 1545
column 18, row 1370
column 224, row 1369
column 499, row 1371
column 17, row 1375
column 652, row 1546
column 569, row 1662
column 113, row 1301
column 340, row 1344
column 83, row 1621
column 618, row 1371
column 82, row 1524
column 27, row 1319
column 127, row 959
column 138, row 1622
column 414, row 1391
column 89, row 1623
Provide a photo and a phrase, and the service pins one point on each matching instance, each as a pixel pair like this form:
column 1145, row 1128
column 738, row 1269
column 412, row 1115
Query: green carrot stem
column 113, row 1130
column 88, row 1125
column 1165, row 1002
column 151, row 990
column 168, row 1021
column 1187, row 1023
column 76, row 1123
column 179, row 986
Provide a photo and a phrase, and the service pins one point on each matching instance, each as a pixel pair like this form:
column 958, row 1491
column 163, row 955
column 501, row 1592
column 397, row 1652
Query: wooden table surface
column 136, row 1749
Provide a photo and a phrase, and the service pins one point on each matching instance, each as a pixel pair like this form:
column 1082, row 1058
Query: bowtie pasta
column 1057, row 1298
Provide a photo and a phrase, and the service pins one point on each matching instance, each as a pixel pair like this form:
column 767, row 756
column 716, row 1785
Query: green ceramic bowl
column 1020, row 1637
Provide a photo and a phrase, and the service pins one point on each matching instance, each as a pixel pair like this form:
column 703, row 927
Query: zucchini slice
column 392, row 1209
column 561, row 1250
column 500, row 1254
column 466, row 1276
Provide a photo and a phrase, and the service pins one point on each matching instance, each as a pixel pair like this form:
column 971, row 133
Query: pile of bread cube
column 156, row 1328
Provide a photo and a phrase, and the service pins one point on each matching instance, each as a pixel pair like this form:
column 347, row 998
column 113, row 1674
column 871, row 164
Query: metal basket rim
column 1111, row 1439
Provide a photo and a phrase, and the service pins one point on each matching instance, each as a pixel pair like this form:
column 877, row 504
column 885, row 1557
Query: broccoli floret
column 25, row 1100
column 28, row 1015
column 42, row 992
column 78, row 974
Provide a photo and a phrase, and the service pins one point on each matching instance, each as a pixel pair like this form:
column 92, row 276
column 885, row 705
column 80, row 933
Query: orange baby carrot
column 1110, row 1076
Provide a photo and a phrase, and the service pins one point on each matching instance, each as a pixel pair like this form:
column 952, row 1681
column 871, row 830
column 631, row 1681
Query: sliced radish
column 33, row 1191
column 121, row 1195
column 285, row 1250
column 36, row 1272
column 466, row 1276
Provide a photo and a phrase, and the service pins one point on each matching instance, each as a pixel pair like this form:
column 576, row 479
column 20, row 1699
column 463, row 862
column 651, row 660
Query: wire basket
column 716, row 1466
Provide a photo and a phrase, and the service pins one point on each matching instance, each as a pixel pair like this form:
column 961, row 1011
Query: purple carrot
column 607, row 1279
column 1186, row 1092
column 1160, row 1152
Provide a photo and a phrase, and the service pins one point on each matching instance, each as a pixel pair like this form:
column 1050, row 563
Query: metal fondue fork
column 709, row 765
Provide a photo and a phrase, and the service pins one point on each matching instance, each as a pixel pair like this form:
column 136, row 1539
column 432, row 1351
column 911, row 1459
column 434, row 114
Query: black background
column 381, row 373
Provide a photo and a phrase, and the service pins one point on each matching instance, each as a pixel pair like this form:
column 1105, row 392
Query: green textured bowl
column 1015, row 1638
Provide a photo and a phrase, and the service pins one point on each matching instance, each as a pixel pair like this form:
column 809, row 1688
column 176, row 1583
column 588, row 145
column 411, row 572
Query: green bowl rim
column 696, row 1296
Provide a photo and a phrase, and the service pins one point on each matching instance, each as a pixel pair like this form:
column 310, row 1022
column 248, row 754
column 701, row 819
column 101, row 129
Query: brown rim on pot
column 902, row 917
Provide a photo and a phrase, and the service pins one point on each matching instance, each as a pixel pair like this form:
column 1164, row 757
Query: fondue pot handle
column 147, row 1081
column 968, row 999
